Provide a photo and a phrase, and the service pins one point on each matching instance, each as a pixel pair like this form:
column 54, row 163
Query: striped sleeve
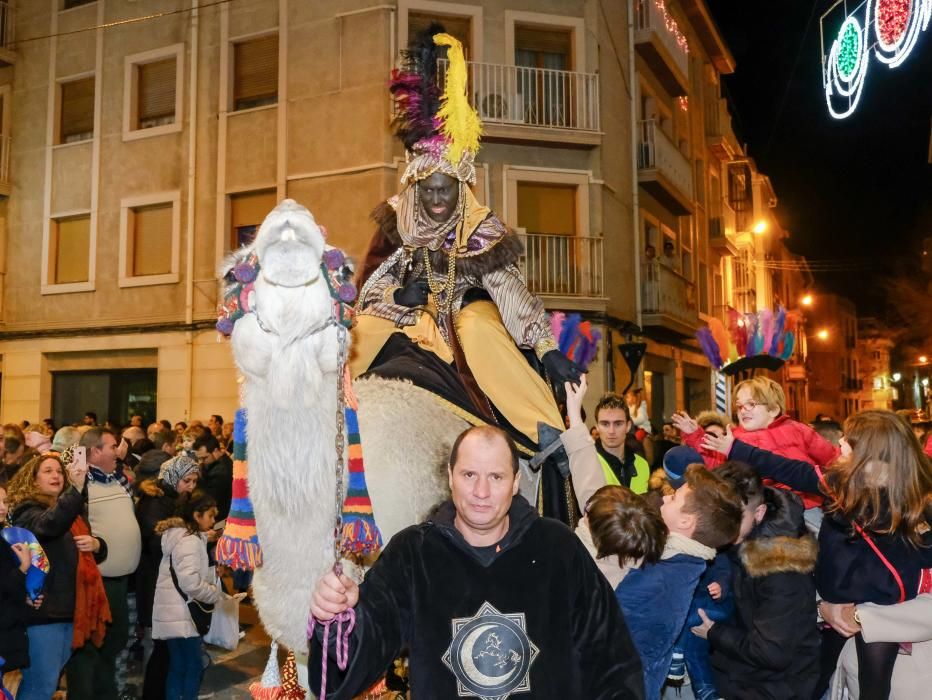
column 522, row 313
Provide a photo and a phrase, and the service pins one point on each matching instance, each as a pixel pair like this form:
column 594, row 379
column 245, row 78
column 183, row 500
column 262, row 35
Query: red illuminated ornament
column 897, row 25
column 892, row 18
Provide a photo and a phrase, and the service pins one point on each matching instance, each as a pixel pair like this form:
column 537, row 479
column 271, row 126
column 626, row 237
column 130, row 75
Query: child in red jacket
column 762, row 422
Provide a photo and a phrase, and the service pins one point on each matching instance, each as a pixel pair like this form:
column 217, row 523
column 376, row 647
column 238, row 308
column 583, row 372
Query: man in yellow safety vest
column 621, row 466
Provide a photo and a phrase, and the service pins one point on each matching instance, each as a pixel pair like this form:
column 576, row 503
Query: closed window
column 247, row 212
column 69, row 249
column 458, row 27
column 545, row 207
column 150, row 240
column 155, row 93
column 255, row 72
column 153, row 101
column 76, row 110
column 68, row 4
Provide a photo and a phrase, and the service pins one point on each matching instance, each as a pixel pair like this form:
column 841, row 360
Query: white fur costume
column 290, row 369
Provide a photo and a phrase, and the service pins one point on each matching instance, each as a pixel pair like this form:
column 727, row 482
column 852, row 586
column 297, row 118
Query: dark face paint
column 439, row 195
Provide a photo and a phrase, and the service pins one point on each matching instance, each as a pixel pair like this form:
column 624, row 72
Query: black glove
column 561, row 369
column 413, row 294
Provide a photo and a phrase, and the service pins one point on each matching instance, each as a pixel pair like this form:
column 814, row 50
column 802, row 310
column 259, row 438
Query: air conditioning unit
column 499, row 108
column 493, row 106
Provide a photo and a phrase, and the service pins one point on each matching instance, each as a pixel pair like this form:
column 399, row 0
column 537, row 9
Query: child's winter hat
column 676, row 461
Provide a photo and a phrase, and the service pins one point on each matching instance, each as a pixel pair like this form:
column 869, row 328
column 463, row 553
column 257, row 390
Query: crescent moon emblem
column 469, row 666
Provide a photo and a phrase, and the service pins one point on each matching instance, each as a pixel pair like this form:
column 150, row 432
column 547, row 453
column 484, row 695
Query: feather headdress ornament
column 439, row 129
column 754, row 341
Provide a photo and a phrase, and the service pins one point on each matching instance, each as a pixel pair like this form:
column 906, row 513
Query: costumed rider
column 451, row 285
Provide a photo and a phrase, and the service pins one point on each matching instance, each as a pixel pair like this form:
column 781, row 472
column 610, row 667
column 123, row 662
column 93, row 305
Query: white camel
column 287, row 349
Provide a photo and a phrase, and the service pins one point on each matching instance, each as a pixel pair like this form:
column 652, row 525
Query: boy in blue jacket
column 703, row 514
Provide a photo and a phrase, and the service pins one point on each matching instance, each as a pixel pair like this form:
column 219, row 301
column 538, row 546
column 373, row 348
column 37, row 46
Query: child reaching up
column 619, row 528
column 762, row 422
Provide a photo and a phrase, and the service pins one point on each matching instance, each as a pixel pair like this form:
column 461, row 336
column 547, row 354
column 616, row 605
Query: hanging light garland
column 671, row 25
column 890, row 27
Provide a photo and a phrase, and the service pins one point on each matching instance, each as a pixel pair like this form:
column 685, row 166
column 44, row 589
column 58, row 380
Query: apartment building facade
column 874, row 347
column 142, row 141
column 145, row 140
column 835, row 383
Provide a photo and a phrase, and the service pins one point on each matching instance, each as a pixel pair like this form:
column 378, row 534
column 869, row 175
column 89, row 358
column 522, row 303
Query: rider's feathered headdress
column 440, row 129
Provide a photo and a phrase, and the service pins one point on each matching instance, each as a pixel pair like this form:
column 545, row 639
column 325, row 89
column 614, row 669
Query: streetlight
column 760, row 227
column 897, row 376
column 806, row 300
column 822, row 334
column 923, row 359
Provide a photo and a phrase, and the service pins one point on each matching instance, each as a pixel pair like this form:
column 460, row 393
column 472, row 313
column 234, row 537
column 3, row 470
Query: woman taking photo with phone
column 74, row 609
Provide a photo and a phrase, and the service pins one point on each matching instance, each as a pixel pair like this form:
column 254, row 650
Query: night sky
column 854, row 189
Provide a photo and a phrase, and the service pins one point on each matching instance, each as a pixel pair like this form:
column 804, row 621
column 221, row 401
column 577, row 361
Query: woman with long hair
column 875, row 544
column 184, row 576
column 74, row 610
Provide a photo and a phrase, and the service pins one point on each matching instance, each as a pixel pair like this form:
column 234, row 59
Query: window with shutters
column 255, row 72
column 69, row 250
column 247, row 212
column 155, row 98
column 76, row 110
column 459, row 27
column 149, row 239
column 153, row 92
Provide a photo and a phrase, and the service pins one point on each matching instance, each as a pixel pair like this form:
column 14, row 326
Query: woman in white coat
column 909, row 622
column 184, row 549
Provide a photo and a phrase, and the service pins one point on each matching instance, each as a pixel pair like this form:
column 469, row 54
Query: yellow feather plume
column 461, row 123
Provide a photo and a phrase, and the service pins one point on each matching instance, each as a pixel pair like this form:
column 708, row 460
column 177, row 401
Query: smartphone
column 80, row 456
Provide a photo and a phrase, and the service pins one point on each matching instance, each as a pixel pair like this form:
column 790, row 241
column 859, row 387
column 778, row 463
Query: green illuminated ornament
column 849, row 50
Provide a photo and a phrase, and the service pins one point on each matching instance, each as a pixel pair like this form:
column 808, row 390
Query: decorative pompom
column 225, row 325
column 334, row 258
column 347, row 292
column 245, row 273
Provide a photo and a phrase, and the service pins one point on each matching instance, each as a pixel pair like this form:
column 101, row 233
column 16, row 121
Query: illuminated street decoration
column 889, row 28
column 897, row 24
column 847, row 68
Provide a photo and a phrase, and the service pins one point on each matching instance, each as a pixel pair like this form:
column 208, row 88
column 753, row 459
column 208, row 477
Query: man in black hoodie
column 488, row 598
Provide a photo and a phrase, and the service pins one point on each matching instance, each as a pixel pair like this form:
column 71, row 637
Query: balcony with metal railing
column 663, row 170
column 668, row 300
column 663, row 46
column 719, row 135
column 6, row 145
column 564, row 270
column 722, row 228
column 7, row 33
column 534, row 104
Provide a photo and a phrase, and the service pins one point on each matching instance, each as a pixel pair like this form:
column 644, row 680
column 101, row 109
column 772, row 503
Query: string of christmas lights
column 671, row 25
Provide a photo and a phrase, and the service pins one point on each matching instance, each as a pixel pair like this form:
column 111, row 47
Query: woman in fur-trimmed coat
column 771, row 650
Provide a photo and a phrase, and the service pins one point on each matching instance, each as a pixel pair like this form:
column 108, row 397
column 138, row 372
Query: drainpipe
column 635, row 211
column 192, row 199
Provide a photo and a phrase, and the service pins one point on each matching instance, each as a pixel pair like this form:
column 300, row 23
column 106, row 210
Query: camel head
column 289, row 246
